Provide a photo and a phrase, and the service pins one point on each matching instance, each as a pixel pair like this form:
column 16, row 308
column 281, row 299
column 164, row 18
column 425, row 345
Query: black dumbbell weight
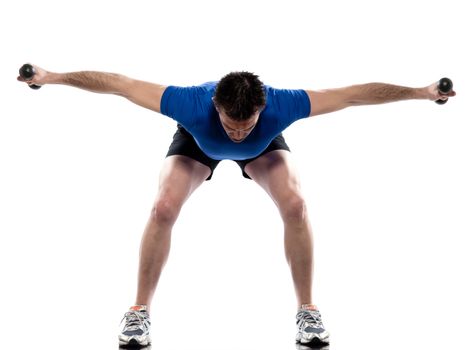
column 27, row 72
column 444, row 86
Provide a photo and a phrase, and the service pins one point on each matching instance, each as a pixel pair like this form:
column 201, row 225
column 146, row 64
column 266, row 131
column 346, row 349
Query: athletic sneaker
column 310, row 328
column 135, row 327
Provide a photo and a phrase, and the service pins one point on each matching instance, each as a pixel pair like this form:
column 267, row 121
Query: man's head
column 239, row 98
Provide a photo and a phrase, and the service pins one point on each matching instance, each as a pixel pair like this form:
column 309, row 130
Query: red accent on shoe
column 138, row 308
column 310, row 307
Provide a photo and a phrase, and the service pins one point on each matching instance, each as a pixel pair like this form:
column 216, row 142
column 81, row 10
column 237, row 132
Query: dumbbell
column 27, row 72
column 444, row 86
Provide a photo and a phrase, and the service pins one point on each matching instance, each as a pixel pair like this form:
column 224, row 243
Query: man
column 241, row 119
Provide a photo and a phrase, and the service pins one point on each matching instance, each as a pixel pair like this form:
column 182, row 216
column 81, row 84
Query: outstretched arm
column 142, row 93
column 326, row 101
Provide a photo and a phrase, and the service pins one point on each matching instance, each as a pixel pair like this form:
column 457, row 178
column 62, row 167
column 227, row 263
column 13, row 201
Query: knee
column 165, row 211
column 294, row 209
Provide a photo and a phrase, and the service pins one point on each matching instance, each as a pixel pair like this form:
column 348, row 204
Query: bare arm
column 326, row 101
column 142, row 93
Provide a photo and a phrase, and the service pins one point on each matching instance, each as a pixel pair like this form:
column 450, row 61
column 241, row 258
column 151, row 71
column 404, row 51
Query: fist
column 35, row 76
column 435, row 94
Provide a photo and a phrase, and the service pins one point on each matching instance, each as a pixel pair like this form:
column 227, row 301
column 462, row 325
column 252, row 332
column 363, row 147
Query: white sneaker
column 310, row 328
column 135, row 327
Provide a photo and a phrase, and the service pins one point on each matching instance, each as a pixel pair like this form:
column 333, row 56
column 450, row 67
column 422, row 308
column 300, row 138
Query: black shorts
column 183, row 144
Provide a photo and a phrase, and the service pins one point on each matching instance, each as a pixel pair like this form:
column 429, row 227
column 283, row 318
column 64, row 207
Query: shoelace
column 311, row 318
column 133, row 320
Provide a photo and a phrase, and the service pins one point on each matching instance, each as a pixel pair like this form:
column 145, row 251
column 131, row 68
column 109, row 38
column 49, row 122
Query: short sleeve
column 291, row 105
column 179, row 104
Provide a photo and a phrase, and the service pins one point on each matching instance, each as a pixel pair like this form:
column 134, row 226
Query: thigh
column 276, row 174
column 180, row 176
column 278, row 143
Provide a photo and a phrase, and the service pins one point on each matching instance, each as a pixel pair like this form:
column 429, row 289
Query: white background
column 385, row 185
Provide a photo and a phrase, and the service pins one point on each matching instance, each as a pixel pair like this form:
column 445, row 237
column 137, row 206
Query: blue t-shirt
column 193, row 108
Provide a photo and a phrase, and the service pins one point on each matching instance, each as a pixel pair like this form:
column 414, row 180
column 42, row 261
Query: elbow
column 125, row 86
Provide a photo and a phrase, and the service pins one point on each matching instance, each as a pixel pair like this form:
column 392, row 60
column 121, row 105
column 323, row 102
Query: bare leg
column 179, row 177
column 275, row 174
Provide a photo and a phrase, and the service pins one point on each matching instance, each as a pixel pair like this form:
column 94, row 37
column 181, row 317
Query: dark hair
column 240, row 95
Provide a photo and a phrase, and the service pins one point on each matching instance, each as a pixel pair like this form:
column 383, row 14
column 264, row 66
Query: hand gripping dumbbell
column 27, row 72
column 444, row 86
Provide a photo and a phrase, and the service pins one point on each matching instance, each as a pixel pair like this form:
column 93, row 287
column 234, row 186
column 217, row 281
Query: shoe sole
column 300, row 346
column 314, row 342
column 132, row 344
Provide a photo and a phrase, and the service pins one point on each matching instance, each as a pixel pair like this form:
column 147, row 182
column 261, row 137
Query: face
column 237, row 131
